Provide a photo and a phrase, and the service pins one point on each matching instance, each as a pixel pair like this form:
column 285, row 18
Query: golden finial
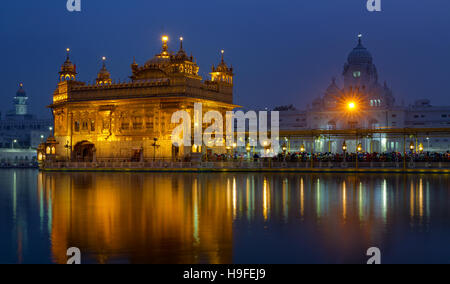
column 165, row 39
column 222, row 52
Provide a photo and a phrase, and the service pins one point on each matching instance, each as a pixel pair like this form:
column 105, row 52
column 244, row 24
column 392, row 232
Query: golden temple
column 132, row 120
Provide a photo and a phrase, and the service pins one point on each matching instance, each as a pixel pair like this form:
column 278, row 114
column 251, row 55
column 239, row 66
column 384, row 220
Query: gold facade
column 123, row 120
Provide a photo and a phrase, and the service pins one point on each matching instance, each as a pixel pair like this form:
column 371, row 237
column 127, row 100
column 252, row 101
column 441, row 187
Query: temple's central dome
column 360, row 55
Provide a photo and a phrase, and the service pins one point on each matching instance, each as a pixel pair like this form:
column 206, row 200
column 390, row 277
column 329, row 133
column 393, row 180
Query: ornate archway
column 83, row 152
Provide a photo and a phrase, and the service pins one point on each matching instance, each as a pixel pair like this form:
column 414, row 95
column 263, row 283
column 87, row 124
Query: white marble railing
column 166, row 164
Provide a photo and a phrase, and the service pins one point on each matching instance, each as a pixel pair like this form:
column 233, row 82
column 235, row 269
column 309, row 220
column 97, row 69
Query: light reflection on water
column 223, row 218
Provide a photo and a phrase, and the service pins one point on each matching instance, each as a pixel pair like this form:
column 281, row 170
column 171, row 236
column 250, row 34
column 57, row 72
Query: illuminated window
column 77, row 126
column 356, row 74
column 92, row 125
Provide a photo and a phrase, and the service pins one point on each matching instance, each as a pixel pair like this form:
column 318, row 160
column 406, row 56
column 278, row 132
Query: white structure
column 364, row 103
column 21, row 130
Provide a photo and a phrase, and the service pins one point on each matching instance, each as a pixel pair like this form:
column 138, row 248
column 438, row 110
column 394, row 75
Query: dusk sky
column 284, row 51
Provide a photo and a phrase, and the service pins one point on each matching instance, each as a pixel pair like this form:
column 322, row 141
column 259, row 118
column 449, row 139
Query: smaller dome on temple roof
column 333, row 88
column 68, row 69
column 68, row 66
column 21, row 92
column 222, row 67
column 103, row 76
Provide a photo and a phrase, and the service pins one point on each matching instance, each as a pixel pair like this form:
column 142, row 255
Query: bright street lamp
column 412, row 146
column 359, row 149
column 302, row 148
column 344, row 147
column 351, row 106
column 421, row 148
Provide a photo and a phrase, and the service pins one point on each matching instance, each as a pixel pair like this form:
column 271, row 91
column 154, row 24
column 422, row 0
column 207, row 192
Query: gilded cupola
column 104, row 77
column 68, row 69
column 222, row 73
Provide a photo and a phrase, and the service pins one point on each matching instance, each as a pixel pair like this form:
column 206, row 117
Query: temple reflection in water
column 212, row 218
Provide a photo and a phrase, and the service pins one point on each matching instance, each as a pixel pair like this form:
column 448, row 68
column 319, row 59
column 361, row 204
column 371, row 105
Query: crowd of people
column 365, row 157
column 336, row 157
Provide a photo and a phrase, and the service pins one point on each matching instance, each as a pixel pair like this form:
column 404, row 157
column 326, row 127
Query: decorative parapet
column 68, row 91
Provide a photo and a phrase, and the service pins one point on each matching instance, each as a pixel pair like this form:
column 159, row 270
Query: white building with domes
column 19, row 129
column 363, row 102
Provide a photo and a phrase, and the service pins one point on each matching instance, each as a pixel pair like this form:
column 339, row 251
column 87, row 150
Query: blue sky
column 283, row 52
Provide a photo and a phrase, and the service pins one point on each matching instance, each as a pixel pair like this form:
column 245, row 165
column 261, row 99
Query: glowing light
column 351, row 105
column 103, row 58
column 266, row 202
column 68, row 49
column 165, row 39
column 421, row 147
column 181, row 38
column 302, row 148
column 359, row 148
column 222, row 51
column 344, row 201
column 344, row 146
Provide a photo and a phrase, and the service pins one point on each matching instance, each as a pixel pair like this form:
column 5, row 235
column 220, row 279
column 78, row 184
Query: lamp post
column 412, row 147
column 154, row 145
column 359, row 149
column 302, row 149
column 248, row 149
column 344, row 149
column 421, row 148
column 13, row 142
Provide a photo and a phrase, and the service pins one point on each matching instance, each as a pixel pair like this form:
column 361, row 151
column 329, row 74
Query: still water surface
column 223, row 218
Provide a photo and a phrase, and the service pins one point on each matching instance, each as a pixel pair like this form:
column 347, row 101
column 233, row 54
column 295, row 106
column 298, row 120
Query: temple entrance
column 138, row 155
column 83, row 152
